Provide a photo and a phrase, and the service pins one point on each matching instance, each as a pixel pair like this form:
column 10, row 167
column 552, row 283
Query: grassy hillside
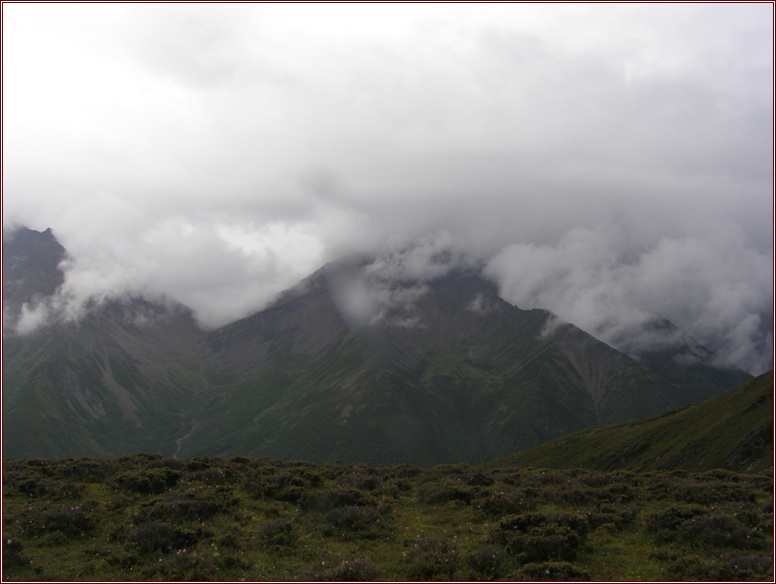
column 732, row 431
column 153, row 518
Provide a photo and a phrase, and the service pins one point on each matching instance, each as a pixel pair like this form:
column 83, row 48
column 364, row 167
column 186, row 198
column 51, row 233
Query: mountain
column 356, row 363
column 30, row 269
column 117, row 382
column 733, row 431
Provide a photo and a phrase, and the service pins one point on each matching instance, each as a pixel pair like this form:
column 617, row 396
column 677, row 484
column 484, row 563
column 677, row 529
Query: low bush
column 550, row 572
column 617, row 515
column 364, row 477
column 362, row 570
column 434, row 493
column 500, row 504
column 159, row 537
column 287, row 485
column 720, row 530
column 726, row 567
column 175, row 507
column 13, row 555
column 487, row 563
column 707, row 493
column 68, row 520
column 405, row 471
column 523, row 523
column 545, row 542
column 664, row 523
column 148, row 482
column 538, row 537
column 356, row 520
column 325, row 501
column 278, row 535
column 41, row 487
column 432, row 559
column 209, row 476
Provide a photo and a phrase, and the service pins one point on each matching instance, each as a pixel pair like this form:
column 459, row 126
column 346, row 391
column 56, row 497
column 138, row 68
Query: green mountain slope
column 351, row 365
column 732, row 431
column 463, row 376
column 120, row 381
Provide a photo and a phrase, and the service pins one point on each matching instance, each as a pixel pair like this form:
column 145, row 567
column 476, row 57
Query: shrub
column 358, row 520
column 476, row 478
column 40, row 487
column 287, row 486
column 157, row 536
column 501, row 504
column 523, row 523
column 175, row 507
column 90, row 470
column 13, row 555
column 148, row 482
column 487, row 562
column 595, row 479
column 363, row 477
column 432, row 558
column 71, row 521
column 433, row 493
column 720, row 530
column 706, row 493
column 727, row 567
column 405, row 471
column 537, row 537
column 356, row 571
column 551, row 572
column 620, row 492
column 324, row 501
column 278, row 535
column 209, row 476
column 617, row 515
column 184, row 565
column 666, row 522
column 545, row 542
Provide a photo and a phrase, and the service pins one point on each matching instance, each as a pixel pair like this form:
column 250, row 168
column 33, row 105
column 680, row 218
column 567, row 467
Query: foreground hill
column 367, row 360
column 152, row 518
column 732, row 431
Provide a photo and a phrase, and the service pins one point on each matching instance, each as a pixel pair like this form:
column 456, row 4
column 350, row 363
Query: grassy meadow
column 147, row 517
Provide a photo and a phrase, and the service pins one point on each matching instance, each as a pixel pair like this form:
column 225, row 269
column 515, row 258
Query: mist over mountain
column 612, row 164
column 410, row 356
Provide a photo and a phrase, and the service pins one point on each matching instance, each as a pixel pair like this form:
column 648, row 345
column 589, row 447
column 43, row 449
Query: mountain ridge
column 362, row 361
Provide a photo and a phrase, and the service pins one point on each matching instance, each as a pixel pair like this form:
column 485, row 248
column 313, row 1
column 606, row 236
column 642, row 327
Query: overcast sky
column 608, row 162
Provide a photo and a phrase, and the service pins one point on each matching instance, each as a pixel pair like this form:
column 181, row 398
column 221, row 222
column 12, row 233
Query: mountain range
column 355, row 363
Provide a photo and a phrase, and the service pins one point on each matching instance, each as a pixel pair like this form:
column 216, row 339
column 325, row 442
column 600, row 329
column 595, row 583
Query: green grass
column 733, row 430
column 146, row 517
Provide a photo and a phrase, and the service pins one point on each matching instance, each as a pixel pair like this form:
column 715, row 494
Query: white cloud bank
column 610, row 162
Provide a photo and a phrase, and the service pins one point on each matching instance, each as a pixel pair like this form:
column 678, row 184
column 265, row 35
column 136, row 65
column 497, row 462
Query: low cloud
column 716, row 290
column 385, row 289
column 612, row 163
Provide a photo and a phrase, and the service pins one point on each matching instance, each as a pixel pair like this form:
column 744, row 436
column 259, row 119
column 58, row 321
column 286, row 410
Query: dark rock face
column 30, row 266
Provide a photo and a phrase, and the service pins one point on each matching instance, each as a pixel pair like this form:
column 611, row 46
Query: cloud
column 384, row 289
column 715, row 289
column 220, row 153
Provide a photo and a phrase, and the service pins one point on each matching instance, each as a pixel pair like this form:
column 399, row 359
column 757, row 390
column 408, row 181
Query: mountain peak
column 31, row 267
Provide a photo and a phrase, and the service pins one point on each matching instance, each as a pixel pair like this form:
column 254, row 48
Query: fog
column 610, row 163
